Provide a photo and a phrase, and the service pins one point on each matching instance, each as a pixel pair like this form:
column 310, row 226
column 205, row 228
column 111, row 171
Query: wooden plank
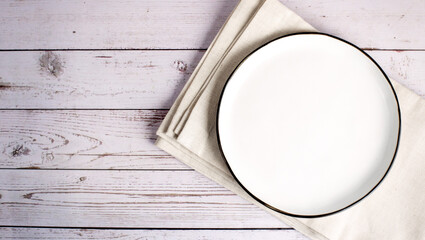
column 406, row 67
column 132, row 79
column 54, row 233
column 94, row 79
column 380, row 24
column 93, row 24
column 129, row 199
column 54, row 160
column 192, row 24
column 75, row 139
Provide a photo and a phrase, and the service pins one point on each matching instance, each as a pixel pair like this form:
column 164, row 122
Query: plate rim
column 257, row 198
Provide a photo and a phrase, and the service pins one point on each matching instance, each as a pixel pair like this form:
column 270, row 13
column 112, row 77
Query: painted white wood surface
column 192, row 24
column 127, row 199
column 132, row 79
column 80, row 139
column 94, row 79
column 105, row 234
column 98, row 165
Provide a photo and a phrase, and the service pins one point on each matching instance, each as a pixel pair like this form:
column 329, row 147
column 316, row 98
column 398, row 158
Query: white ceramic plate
column 308, row 124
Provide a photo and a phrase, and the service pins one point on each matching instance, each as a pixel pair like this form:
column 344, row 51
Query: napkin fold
column 395, row 210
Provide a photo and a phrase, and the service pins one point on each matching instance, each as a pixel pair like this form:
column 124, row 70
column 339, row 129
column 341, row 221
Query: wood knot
column 180, row 66
column 51, row 63
column 19, row 150
column 28, row 195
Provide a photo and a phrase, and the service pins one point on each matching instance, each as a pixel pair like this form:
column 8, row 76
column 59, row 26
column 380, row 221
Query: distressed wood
column 132, row 79
column 75, row 139
column 378, row 24
column 129, row 199
column 192, row 24
column 405, row 67
column 105, row 234
column 94, row 79
column 140, row 196
column 54, row 160
column 106, row 24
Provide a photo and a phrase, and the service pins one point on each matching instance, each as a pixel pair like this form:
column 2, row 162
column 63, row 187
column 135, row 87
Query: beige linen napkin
column 395, row 210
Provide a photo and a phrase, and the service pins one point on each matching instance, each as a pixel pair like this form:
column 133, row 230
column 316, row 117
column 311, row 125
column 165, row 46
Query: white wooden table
column 85, row 84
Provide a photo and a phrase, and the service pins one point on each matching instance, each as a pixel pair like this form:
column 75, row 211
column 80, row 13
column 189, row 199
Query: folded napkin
column 395, row 210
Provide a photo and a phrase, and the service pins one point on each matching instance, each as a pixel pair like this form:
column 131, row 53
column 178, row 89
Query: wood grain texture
column 129, row 199
column 155, row 190
column 94, row 79
column 379, row 24
column 52, row 233
column 405, row 67
column 132, row 79
column 192, row 24
column 106, row 24
column 75, row 139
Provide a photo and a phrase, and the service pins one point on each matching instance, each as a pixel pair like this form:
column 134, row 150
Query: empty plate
column 308, row 124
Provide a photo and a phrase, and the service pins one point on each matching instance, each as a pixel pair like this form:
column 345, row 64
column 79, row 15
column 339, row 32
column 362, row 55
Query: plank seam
column 100, row 49
column 101, row 169
column 85, row 109
column 153, row 229
column 168, row 49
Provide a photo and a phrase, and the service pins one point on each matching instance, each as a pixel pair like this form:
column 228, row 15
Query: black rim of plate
column 258, row 199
